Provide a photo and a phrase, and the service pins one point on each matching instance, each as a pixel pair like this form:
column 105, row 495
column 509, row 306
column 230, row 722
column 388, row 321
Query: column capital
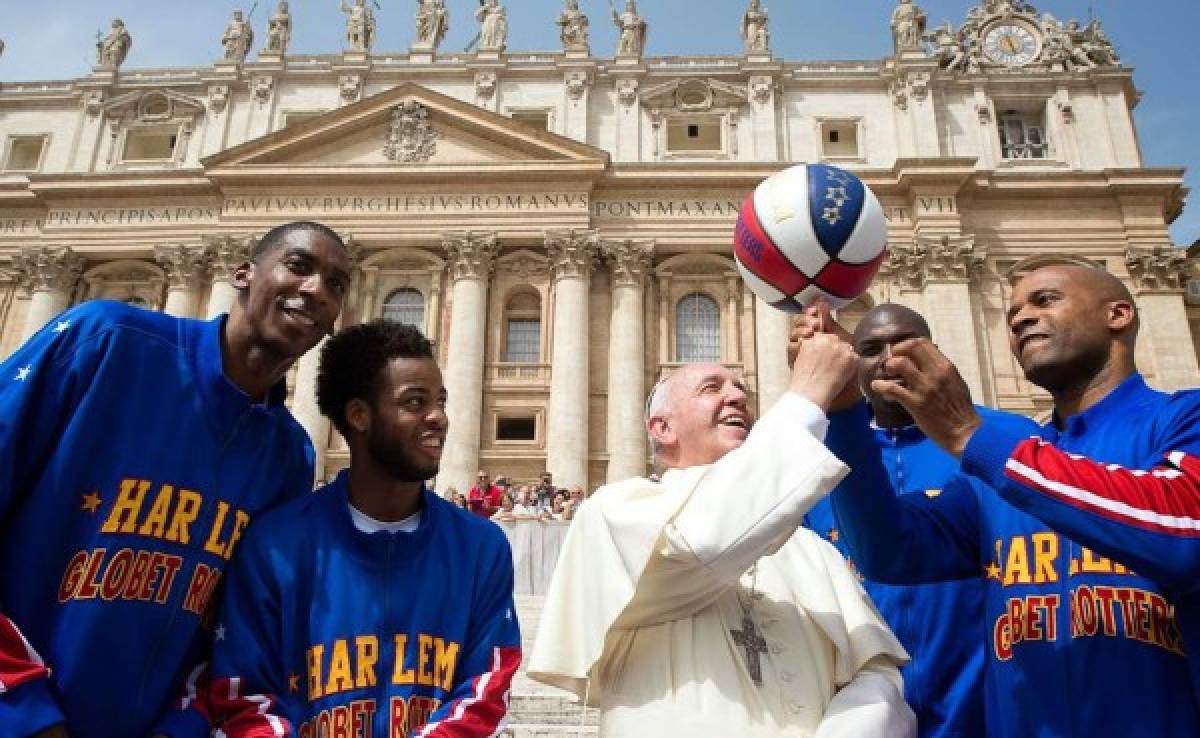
column 470, row 253
column 48, row 268
column 227, row 253
column 571, row 252
column 630, row 261
column 1158, row 268
column 934, row 258
column 186, row 264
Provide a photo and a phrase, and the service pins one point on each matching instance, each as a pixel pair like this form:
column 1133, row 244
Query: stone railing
column 535, row 547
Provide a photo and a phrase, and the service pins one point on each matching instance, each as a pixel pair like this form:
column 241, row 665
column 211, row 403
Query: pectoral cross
column 749, row 639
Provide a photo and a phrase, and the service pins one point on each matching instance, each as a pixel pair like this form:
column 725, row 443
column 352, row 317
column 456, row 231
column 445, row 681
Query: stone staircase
column 536, row 710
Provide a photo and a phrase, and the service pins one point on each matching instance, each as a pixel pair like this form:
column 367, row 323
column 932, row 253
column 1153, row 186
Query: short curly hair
column 275, row 237
column 352, row 360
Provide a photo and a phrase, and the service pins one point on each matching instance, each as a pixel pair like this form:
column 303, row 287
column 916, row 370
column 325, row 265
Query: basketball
column 810, row 231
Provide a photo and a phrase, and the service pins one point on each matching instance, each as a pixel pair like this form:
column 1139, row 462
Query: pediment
column 688, row 95
column 405, row 127
column 153, row 105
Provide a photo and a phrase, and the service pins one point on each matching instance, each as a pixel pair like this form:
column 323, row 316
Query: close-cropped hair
column 273, row 238
column 352, row 360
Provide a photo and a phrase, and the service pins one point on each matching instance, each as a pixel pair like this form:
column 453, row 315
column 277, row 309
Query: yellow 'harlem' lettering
column 367, row 654
column 124, row 514
column 401, row 675
column 314, row 671
column 445, row 662
column 1016, row 569
column 1045, row 552
column 339, row 668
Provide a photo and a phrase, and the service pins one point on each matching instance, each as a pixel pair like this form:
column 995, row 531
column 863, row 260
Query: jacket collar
column 375, row 546
column 225, row 402
column 1115, row 404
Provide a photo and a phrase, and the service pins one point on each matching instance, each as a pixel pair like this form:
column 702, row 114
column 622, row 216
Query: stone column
column 227, row 254
column 944, row 266
column 470, row 257
column 1160, row 277
column 571, row 253
column 771, row 329
column 627, row 442
column 186, row 266
column 49, row 272
column 305, row 409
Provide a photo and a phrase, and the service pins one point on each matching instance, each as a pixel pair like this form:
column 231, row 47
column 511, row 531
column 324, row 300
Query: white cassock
column 646, row 613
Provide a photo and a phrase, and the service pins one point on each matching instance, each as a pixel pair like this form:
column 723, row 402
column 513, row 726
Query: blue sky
column 53, row 39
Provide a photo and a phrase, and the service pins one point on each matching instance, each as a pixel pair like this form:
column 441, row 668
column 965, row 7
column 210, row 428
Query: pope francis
column 696, row 605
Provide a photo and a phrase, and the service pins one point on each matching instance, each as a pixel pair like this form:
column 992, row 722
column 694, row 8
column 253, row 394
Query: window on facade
column 516, row 428
column 150, row 144
column 405, row 305
column 697, row 329
column 700, row 134
column 839, row 139
column 539, row 119
column 522, row 339
column 24, row 153
column 523, row 328
column 1022, row 136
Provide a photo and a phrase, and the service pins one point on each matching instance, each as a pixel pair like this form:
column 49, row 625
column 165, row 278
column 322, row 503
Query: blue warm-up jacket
column 129, row 468
column 940, row 624
column 1087, row 542
column 327, row 630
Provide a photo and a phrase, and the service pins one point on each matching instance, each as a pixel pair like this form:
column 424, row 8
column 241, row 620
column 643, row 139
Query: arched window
column 697, row 329
column 523, row 328
column 405, row 305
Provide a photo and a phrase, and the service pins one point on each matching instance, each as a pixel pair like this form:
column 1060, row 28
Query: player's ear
column 358, row 414
column 1121, row 314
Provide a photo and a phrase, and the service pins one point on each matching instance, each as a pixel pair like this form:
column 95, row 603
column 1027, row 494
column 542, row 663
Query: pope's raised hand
column 824, row 364
column 817, row 319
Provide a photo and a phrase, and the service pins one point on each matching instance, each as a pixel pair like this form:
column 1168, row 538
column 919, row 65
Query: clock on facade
column 1010, row 43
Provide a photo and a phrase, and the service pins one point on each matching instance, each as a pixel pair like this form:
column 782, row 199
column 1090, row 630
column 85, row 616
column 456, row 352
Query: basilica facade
column 560, row 223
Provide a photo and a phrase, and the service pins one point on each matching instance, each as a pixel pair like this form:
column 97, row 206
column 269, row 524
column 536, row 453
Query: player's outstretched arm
column 478, row 703
column 891, row 539
column 1147, row 519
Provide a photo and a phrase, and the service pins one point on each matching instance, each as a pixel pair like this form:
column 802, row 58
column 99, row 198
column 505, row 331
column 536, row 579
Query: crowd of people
column 873, row 557
column 505, row 501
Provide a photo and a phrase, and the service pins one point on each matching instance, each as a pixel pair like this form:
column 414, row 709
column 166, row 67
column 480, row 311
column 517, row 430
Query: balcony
column 515, row 374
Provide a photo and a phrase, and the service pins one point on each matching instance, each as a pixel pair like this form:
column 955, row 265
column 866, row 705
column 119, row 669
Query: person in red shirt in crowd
column 484, row 498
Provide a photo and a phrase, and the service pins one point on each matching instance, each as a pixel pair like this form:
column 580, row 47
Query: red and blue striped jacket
column 1087, row 538
column 326, row 630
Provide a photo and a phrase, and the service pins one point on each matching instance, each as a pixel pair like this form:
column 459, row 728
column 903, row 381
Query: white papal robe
column 641, row 612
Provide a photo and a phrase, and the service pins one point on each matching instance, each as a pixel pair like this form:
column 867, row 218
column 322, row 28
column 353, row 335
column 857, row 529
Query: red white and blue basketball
column 810, row 231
